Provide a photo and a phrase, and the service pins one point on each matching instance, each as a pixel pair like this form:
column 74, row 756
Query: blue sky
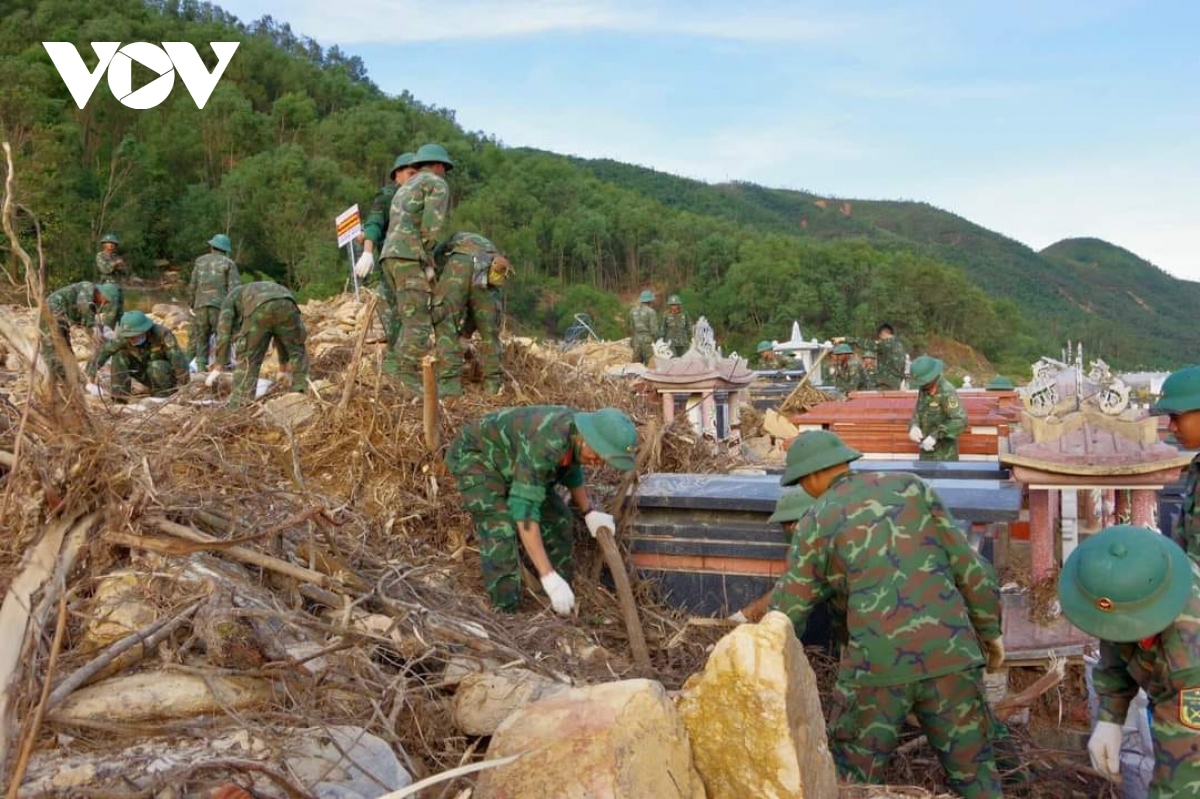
column 1040, row 120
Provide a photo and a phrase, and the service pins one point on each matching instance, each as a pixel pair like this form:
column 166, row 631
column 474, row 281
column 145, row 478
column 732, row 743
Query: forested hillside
column 294, row 133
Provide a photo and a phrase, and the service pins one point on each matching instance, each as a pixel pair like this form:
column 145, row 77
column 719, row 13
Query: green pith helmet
column 135, row 323
column 221, row 242
column 925, row 370
column 674, row 300
column 791, row 506
column 611, row 434
column 402, row 160
column 111, row 292
column 110, row 238
column 764, row 346
column 1125, row 583
column 1000, row 383
column 1180, row 392
column 814, row 451
column 868, row 355
column 843, row 349
column 432, row 154
column 647, row 296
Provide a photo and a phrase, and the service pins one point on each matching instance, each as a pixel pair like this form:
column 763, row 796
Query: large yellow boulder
column 754, row 717
column 620, row 740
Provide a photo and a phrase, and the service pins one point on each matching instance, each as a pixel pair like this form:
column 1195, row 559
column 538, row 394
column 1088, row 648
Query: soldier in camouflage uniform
column 1180, row 399
column 374, row 231
column 258, row 315
column 506, row 466
column 676, row 327
column 892, row 359
column 417, row 218
column 1139, row 593
column 939, row 417
column 921, row 608
column 142, row 351
column 85, row 304
column 766, row 357
column 109, row 265
column 848, row 373
column 471, row 271
column 643, row 328
column 213, row 277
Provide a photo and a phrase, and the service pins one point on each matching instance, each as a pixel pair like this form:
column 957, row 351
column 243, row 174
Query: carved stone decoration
column 1059, row 387
column 704, row 341
column 662, row 351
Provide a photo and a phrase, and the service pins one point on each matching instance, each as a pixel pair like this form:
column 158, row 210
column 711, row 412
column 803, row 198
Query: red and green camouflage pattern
column 676, row 330
column 417, row 217
column 643, row 328
column 1186, row 530
column 850, row 376
column 213, row 276
column 1167, row 667
column 865, row 724
column 109, row 266
column 912, row 597
column 461, row 307
column 158, row 363
column 915, row 592
column 889, row 363
column 943, row 417
column 257, row 315
column 505, row 466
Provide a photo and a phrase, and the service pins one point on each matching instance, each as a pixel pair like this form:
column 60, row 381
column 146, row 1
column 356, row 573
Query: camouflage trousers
column 204, row 325
column 413, row 316
column 275, row 322
column 643, row 349
column 946, row 449
column 865, row 722
column 1176, row 752
column 461, row 309
column 156, row 374
column 386, row 308
column 485, row 497
column 60, row 330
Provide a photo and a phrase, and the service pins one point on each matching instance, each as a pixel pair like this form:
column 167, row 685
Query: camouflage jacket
column 212, row 278
column 1186, row 531
column 107, row 265
column 529, row 448
column 850, row 376
column 886, row 553
column 417, row 218
column 159, row 345
column 643, row 323
column 942, row 415
column 889, row 363
column 376, row 226
column 239, row 304
column 76, row 304
column 676, row 329
column 1166, row 666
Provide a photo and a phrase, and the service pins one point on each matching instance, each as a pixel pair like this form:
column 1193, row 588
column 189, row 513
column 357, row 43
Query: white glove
column 364, row 265
column 192, row 366
column 595, row 519
column 93, row 389
column 915, row 435
column 213, row 376
column 739, row 617
column 1104, row 748
column 929, row 443
column 562, row 598
column 106, row 332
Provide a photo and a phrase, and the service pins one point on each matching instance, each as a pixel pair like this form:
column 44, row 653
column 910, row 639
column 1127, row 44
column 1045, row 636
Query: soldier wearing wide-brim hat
column 1139, row 594
column 676, row 327
column 939, row 417
column 374, row 230
column 109, row 265
column 848, row 373
column 142, row 350
column 919, row 606
column 1180, row 400
column 214, row 275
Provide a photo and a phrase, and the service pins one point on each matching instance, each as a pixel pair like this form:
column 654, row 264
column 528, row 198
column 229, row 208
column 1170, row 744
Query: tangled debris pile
column 287, row 598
